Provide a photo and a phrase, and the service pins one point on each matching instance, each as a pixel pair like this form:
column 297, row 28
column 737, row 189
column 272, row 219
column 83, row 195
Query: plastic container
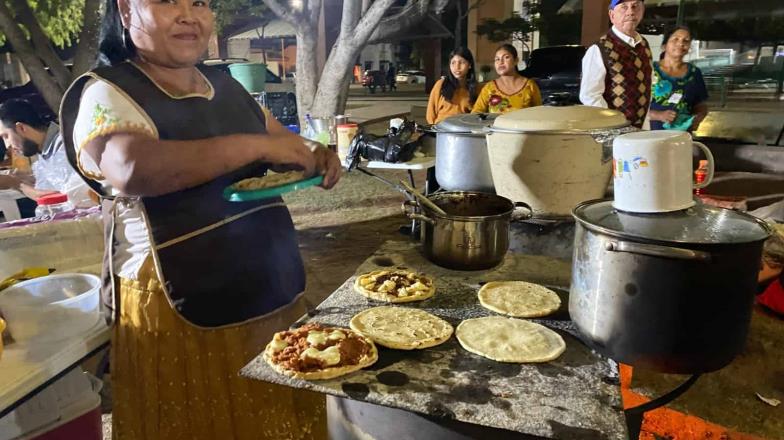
column 51, row 308
column 52, row 204
column 700, row 174
column 346, row 133
column 252, row 76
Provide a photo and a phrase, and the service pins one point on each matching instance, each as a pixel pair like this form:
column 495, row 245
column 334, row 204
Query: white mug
column 653, row 171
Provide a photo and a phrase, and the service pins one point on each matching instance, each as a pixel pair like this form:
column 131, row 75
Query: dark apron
column 220, row 262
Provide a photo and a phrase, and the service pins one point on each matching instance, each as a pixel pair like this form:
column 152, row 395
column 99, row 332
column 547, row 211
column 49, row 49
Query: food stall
column 608, row 294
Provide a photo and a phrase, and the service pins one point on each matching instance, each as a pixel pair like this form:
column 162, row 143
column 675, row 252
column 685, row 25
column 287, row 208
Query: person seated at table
column 679, row 91
column 455, row 93
column 510, row 91
column 23, row 130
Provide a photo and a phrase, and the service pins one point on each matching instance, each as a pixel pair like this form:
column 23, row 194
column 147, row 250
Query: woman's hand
column 285, row 153
column 328, row 165
column 662, row 115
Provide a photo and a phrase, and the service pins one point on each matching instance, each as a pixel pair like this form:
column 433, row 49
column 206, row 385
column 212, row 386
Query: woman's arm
column 136, row 164
column 662, row 115
column 700, row 112
column 482, row 104
column 432, row 102
column 536, row 95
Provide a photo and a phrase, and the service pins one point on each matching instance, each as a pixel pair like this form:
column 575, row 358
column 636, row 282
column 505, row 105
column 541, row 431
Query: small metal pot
column 462, row 163
column 669, row 292
column 474, row 233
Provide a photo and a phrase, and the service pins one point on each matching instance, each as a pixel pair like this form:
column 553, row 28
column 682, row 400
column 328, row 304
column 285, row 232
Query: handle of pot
column 711, row 164
column 654, row 250
column 519, row 217
column 409, row 209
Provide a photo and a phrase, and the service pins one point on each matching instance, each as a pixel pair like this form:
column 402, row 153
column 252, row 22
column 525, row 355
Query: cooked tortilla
column 509, row 340
column 402, row 328
column 519, row 299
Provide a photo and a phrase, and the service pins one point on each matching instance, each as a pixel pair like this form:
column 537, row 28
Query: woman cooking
column 510, row 91
column 455, row 93
column 199, row 284
column 679, row 92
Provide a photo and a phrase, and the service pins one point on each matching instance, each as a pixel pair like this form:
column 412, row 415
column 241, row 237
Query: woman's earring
column 125, row 44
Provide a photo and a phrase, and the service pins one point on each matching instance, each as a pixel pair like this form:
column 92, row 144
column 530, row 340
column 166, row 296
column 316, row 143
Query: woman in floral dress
column 679, row 92
column 511, row 91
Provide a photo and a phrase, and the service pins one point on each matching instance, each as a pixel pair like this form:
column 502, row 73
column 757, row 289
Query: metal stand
column 635, row 415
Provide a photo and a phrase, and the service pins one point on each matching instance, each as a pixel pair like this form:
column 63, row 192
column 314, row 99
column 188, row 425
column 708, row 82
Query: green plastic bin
column 252, row 76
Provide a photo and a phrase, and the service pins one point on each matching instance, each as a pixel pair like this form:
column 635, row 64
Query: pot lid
column 466, row 123
column 700, row 224
column 570, row 118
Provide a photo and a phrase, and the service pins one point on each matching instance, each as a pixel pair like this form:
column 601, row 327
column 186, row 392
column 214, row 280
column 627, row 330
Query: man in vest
column 617, row 68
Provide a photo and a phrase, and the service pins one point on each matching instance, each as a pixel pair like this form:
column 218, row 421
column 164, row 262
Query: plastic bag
column 398, row 145
column 55, row 173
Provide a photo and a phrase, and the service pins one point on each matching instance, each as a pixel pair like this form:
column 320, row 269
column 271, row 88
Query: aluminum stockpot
column 474, row 233
column 462, row 163
column 669, row 292
column 554, row 157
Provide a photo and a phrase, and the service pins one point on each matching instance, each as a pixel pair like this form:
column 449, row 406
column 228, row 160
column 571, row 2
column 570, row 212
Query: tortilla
column 268, row 181
column 402, row 328
column 371, row 285
column 509, row 340
column 519, row 299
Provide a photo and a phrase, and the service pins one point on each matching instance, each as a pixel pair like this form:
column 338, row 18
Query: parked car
column 274, row 83
column 373, row 79
column 411, row 77
column 557, row 70
column 279, row 97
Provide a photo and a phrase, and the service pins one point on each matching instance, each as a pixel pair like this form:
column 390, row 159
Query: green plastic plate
column 234, row 195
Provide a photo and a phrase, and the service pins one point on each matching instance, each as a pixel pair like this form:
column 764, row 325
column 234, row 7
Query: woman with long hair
column 455, row 93
column 510, row 91
column 197, row 285
column 679, row 91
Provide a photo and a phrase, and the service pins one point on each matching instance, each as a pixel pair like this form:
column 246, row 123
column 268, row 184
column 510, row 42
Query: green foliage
column 514, row 28
column 554, row 28
column 61, row 20
column 226, row 11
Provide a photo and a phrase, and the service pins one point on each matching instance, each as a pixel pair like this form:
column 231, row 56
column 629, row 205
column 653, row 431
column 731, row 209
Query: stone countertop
column 575, row 396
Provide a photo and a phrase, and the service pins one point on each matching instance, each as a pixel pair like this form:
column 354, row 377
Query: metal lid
column 570, row 118
column 466, row 123
column 700, row 224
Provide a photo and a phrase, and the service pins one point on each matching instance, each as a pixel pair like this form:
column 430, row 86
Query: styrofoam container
column 51, row 308
column 54, row 409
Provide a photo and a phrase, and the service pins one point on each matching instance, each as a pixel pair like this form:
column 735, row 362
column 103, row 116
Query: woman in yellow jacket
column 455, row 93
column 511, row 91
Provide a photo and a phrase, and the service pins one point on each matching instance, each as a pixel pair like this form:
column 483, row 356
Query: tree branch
column 286, row 14
column 412, row 13
column 50, row 90
column 87, row 49
column 43, row 47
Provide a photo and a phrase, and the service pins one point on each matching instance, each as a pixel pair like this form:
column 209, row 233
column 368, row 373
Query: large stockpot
column 554, row 157
column 461, row 153
column 670, row 292
column 474, row 233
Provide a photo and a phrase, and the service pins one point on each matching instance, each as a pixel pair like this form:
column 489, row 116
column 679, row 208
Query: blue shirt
column 690, row 87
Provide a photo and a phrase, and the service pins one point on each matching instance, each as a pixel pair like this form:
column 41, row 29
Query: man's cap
column 615, row 3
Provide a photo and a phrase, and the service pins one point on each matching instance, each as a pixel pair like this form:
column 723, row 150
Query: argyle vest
column 627, row 84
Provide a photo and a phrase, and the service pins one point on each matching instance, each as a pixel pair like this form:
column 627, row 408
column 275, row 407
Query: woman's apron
column 220, row 262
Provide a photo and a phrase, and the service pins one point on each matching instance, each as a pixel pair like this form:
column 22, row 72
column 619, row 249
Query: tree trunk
column 459, row 24
column 87, row 50
column 50, row 90
column 41, row 44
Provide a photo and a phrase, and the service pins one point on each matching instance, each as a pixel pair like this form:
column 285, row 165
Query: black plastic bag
column 394, row 147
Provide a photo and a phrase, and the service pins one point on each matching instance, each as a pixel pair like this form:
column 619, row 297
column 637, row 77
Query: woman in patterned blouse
column 511, row 91
column 679, row 92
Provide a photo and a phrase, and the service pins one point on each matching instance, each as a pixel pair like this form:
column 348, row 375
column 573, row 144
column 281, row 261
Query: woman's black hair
column 671, row 30
column 115, row 41
column 451, row 83
column 509, row 48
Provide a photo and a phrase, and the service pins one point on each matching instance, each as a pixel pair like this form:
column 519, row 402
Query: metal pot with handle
column 670, row 292
column 462, row 163
column 474, row 233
